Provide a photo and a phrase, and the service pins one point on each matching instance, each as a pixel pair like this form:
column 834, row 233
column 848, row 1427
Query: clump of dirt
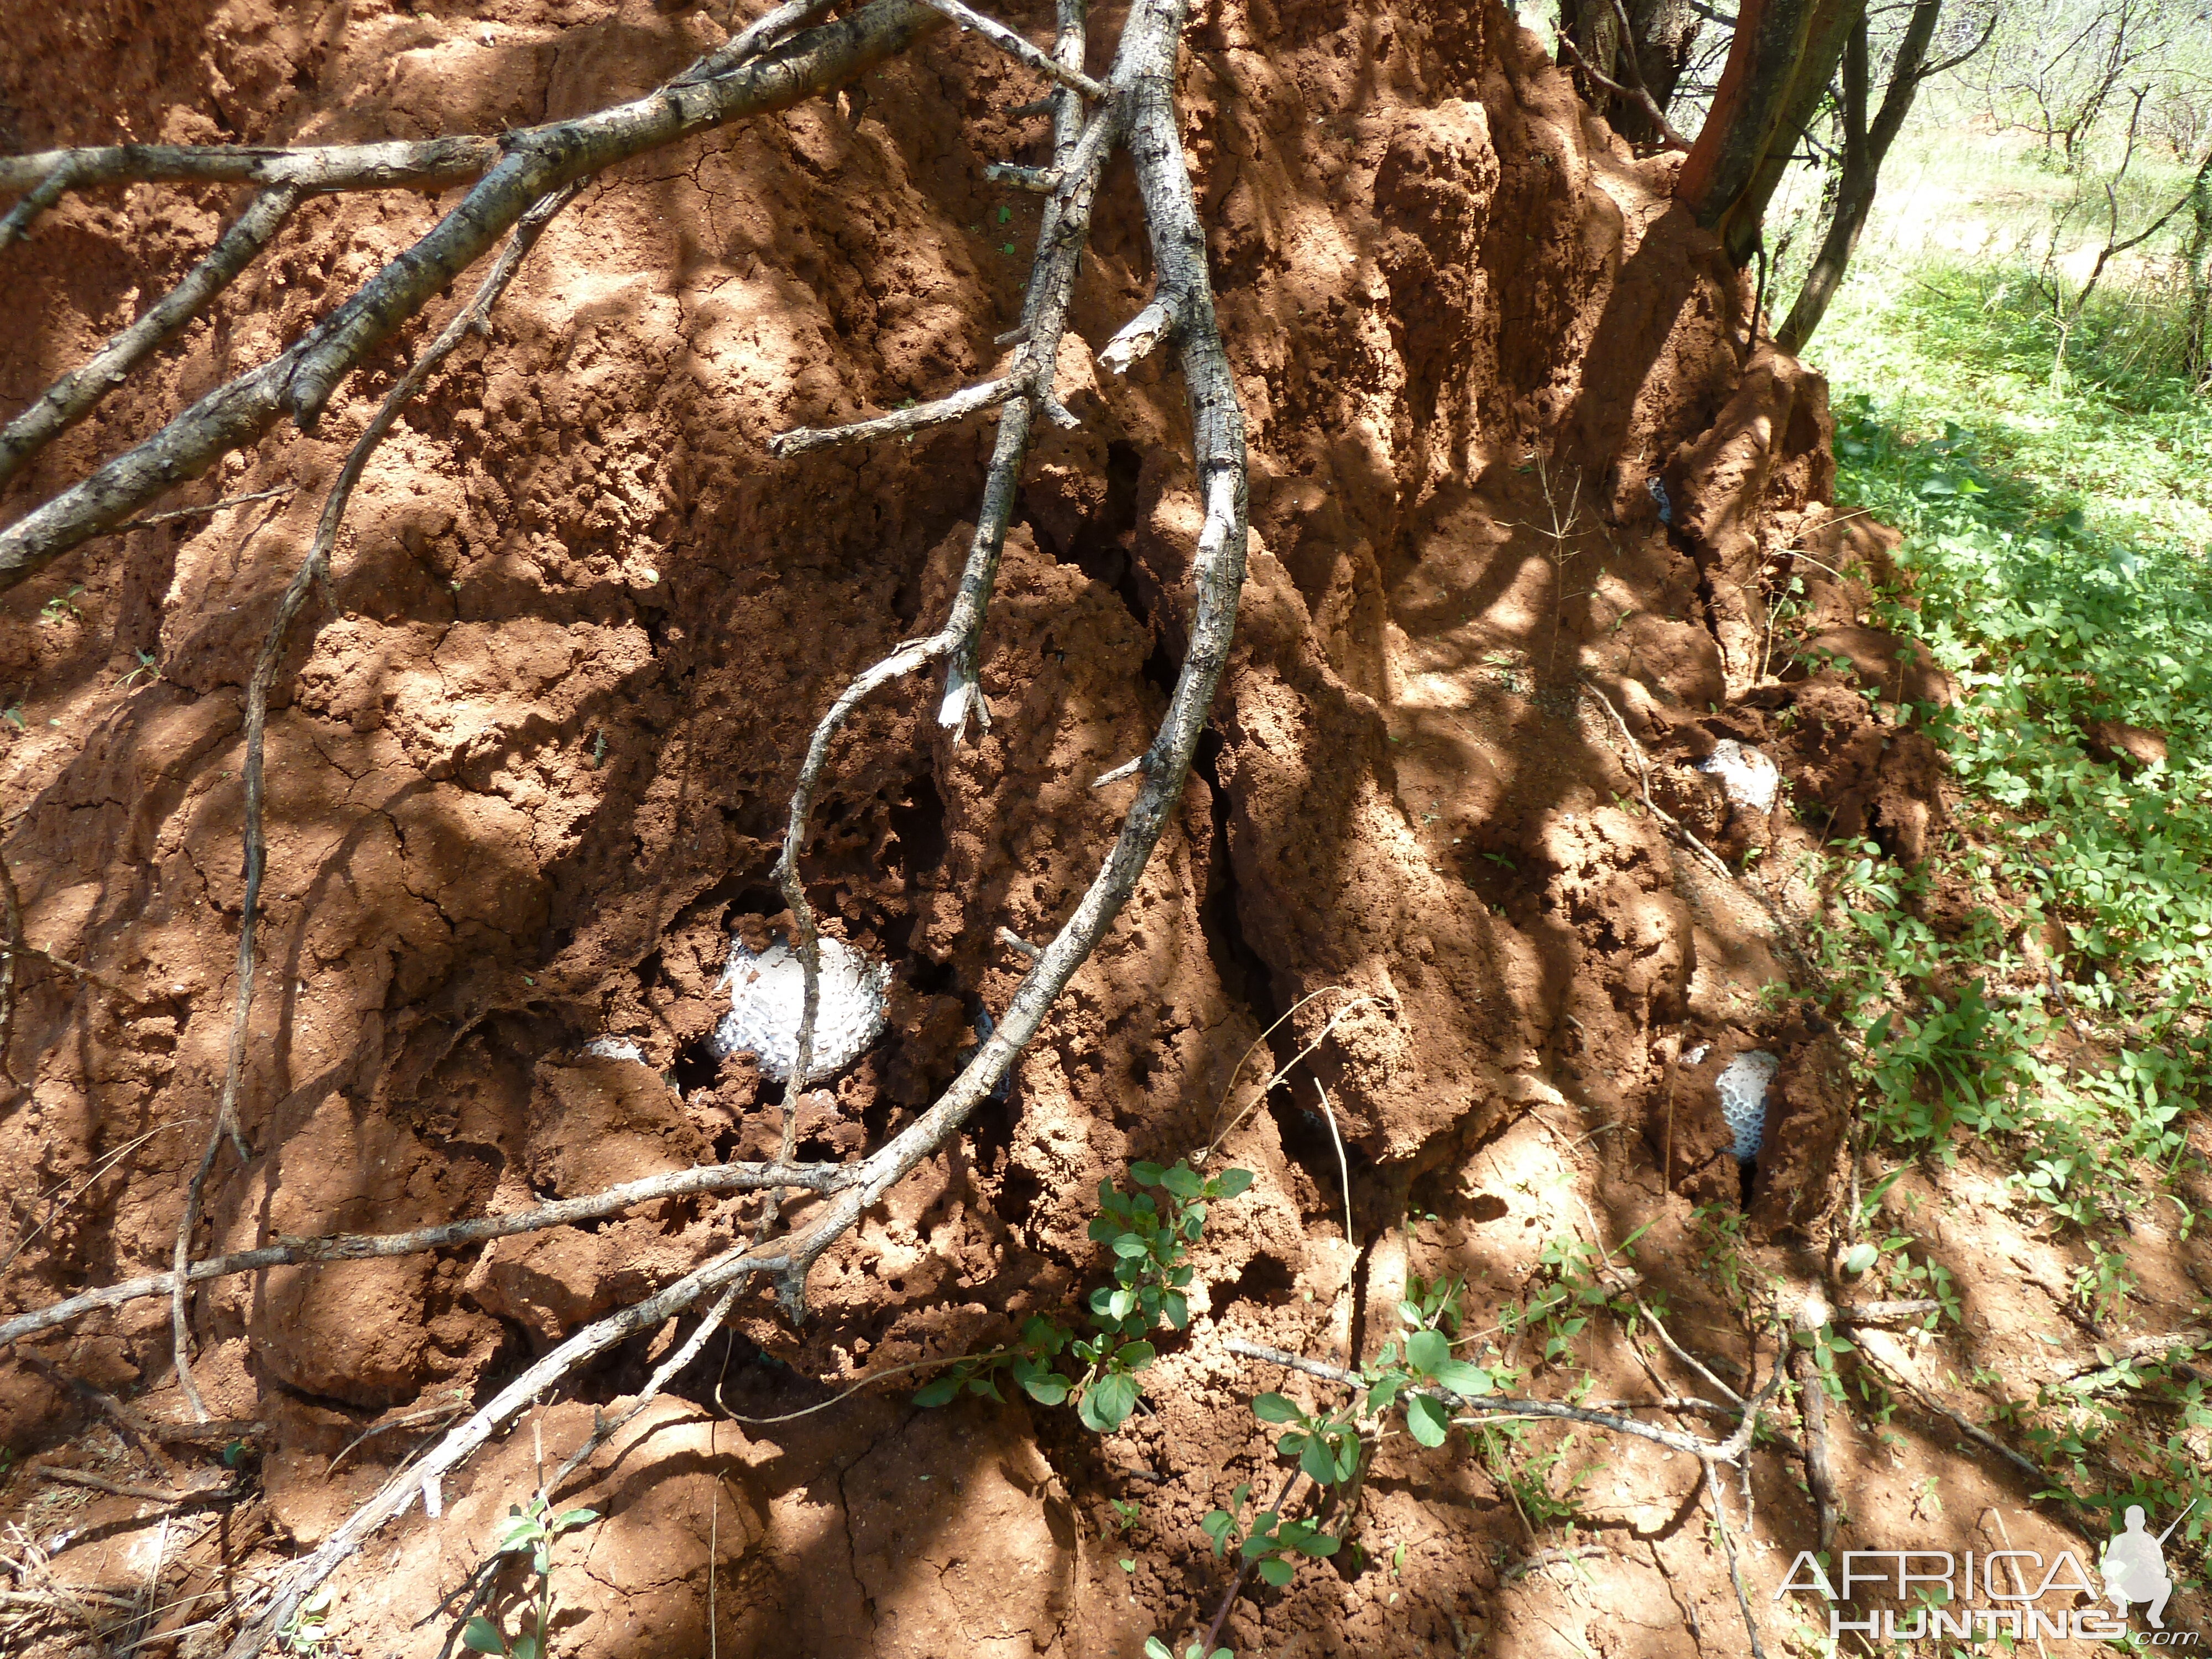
column 528, row 777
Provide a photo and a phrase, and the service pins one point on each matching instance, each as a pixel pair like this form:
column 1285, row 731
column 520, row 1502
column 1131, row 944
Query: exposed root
column 1728, row 1546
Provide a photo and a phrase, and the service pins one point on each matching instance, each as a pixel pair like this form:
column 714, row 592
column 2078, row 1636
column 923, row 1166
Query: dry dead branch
column 363, row 1247
column 522, row 169
column 520, row 180
column 1729, row 1450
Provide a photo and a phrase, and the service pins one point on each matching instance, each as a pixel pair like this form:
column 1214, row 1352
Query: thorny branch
column 1133, row 106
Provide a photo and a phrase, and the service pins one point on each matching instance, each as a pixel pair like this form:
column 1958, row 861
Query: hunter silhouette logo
column 2134, row 1567
column 2012, row 1595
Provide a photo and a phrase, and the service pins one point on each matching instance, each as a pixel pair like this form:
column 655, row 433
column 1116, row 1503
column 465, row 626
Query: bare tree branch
column 449, row 1235
column 422, row 165
column 1709, row 1451
column 899, row 422
column 533, row 163
column 68, row 399
column 1019, row 49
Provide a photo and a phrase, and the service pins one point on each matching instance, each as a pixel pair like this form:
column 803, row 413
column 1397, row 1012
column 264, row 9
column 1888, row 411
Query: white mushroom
column 1747, row 777
column 1742, row 1085
column 768, row 994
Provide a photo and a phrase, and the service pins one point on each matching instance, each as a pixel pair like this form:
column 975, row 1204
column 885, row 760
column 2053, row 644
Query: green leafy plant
column 1413, row 1379
column 1149, row 1230
column 527, row 1532
column 62, row 606
column 1156, row 1648
column 304, row 1632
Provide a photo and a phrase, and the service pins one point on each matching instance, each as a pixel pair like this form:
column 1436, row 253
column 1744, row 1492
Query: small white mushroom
column 768, row 992
column 607, row 1048
column 1747, row 777
column 1742, row 1085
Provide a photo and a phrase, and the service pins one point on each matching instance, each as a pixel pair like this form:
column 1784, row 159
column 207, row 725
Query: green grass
column 2057, row 552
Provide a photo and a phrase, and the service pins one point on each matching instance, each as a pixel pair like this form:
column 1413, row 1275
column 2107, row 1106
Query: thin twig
column 1015, row 47
column 755, row 39
column 314, row 569
column 900, row 422
column 74, row 396
column 1711, row 1451
column 1343, row 1171
column 127, row 1422
column 603, row 1429
column 1728, row 1543
column 222, row 506
column 1206, row 1644
column 363, row 1247
column 1973, row 1432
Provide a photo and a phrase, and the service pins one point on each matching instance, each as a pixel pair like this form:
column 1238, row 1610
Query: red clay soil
column 527, row 777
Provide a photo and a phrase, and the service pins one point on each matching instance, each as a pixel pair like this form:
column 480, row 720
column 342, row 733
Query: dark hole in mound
column 1265, row 1279
column 696, row 1068
column 918, row 825
column 1308, row 1142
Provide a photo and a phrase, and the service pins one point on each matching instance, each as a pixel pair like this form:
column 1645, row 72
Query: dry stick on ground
column 1728, row 1545
column 127, row 1422
column 1140, row 106
column 363, row 1246
column 314, row 570
column 1973, row 1432
column 604, row 1429
column 1711, row 1451
column 1812, row 1314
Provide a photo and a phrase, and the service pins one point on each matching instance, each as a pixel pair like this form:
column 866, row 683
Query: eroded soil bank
column 1522, row 491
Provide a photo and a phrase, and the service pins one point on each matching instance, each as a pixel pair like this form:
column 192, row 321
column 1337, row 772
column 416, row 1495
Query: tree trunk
column 1864, row 150
column 1778, row 66
column 1656, row 53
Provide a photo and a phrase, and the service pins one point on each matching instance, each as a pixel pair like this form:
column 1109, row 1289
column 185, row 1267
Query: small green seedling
column 303, row 1632
column 148, row 668
column 526, row 1531
column 1149, row 1237
column 1156, row 1648
column 62, row 606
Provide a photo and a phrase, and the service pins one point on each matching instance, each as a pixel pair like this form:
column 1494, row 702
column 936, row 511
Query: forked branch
column 1134, row 105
